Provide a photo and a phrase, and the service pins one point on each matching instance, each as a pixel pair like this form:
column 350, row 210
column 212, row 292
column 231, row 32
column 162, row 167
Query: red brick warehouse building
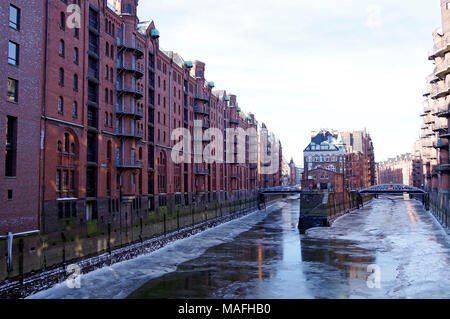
column 106, row 99
column 21, row 81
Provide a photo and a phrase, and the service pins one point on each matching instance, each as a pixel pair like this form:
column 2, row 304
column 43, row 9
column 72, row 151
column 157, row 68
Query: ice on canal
column 263, row 255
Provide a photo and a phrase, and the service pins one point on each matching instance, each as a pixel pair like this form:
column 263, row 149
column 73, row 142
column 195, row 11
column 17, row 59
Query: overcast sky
column 305, row 65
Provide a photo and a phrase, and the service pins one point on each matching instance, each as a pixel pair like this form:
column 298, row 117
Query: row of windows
column 61, row 79
column 62, row 52
column 67, row 149
column 65, row 180
column 60, row 107
column 109, row 50
column 321, row 158
column 109, row 73
column 110, row 27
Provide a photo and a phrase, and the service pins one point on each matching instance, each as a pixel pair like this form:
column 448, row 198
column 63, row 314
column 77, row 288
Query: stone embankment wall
column 39, row 262
column 321, row 209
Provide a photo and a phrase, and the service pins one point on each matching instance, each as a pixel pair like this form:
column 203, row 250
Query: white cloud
column 303, row 65
column 373, row 17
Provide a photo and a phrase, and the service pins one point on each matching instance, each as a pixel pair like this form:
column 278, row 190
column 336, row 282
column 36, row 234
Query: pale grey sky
column 304, row 65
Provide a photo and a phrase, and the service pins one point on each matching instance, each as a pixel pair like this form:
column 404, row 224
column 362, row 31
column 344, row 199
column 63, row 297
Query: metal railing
column 129, row 132
column 130, row 110
column 122, row 163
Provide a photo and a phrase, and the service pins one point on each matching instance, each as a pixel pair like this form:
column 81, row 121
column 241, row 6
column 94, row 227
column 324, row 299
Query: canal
column 263, row 255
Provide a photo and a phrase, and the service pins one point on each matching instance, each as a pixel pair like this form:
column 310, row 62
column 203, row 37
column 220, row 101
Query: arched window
column 108, row 150
column 112, row 52
column 110, row 120
column 75, row 55
column 62, row 21
column 66, row 142
column 107, row 49
column 140, row 153
column 106, row 119
column 60, row 105
column 75, row 110
column 61, row 77
column 111, row 75
column 75, row 82
column 59, row 146
column 72, row 148
column 61, row 49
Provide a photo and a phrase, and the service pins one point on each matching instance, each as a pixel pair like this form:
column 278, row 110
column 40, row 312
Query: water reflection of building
column 226, row 270
column 344, row 261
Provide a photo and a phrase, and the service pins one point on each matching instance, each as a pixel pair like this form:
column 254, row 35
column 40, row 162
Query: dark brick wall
column 22, row 212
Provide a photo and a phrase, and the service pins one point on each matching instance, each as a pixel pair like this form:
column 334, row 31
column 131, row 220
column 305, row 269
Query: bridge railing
column 391, row 188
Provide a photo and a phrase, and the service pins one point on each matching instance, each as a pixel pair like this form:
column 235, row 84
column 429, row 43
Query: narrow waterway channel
column 263, row 255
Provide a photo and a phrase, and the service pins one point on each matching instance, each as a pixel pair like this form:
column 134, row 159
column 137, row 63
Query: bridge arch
column 391, row 189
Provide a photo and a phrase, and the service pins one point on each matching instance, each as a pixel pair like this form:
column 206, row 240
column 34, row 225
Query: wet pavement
column 263, row 255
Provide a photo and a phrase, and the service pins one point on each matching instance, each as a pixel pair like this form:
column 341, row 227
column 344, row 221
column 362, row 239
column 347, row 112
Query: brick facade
column 107, row 101
column 19, row 188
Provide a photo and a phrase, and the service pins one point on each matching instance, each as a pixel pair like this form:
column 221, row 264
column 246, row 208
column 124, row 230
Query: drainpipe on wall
column 41, row 216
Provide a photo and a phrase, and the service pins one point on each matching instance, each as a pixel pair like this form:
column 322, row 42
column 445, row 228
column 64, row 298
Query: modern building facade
column 102, row 101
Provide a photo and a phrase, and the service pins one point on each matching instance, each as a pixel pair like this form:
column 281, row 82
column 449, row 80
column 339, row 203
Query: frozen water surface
column 263, row 255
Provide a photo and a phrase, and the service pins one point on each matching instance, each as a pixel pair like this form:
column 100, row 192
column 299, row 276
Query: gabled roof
column 326, row 141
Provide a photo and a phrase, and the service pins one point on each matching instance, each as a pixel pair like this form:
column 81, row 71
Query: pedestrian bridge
column 280, row 190
column 391, row 189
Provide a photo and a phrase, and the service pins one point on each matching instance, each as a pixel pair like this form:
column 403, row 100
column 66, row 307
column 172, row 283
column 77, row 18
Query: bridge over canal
column 321, row 208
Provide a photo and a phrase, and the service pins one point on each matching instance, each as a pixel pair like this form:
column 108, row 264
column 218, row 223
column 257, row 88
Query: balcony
column 440, row 48
column 135, row 68
column 129, row 164
column 137, row 113
column 93, row 76
column 445, row 114
column 130, row 89
column 442, row 70
column 201, row 97
column 439, row 144
column 91, row 155
column 439, row 108
column 93, row 51
column 443, row 168
column 137, row 49
column 429, row 119
column 234, row 121
column 440, row 90
column 441, row 125
column 200, row 110
column 130, row 133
